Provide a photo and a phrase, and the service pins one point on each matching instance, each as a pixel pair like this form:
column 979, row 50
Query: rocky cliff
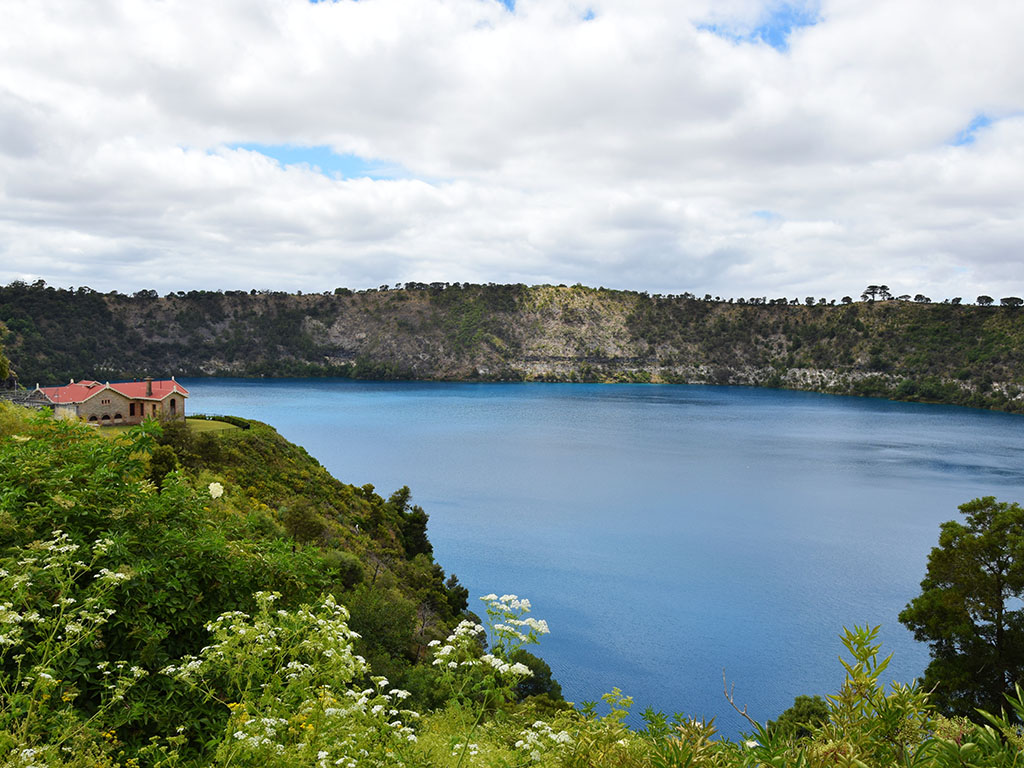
column 954, row 353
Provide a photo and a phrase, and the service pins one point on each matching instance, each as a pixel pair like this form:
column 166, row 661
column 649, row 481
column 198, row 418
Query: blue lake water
column 665, row 532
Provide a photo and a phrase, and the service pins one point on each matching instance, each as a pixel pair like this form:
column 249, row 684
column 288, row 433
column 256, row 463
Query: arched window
column 92, row 418
column 174, row 407
column 106, row 417
column 117, row 417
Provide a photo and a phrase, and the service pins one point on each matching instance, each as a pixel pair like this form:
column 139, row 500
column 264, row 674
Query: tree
column 4, row 365
column 922, row 299
column 846, row 300
column 984, row 301
column 870, row 293
column 1011, row 301
column 801, row 719
column 969, row 609
column 873, row 292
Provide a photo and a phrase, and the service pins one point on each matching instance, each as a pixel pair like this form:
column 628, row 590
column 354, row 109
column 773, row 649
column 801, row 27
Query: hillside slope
column 969, row 355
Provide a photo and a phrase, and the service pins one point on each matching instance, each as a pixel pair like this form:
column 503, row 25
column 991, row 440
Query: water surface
column 665, row 532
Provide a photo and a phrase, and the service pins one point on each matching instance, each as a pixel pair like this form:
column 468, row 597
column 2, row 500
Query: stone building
column 124, row 402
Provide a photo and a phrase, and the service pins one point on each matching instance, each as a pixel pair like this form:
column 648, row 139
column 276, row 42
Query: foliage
column 800, row 720
column 5, row 369
column 56, row 598
column 290, row 685
column 969, row 609
column 181, row 627
column 201, row 544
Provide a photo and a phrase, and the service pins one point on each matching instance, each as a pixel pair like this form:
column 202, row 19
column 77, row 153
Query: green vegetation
column 5, row 369
column 970, row 608
column 882, row 347
column 178, row 598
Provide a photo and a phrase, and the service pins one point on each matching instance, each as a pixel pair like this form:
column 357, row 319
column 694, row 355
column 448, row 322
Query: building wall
column 66, row 411
column 106, row 408
column 117, row 408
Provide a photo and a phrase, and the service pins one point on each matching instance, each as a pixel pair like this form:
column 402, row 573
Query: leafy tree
column 413, row 525
column 985, row 301
column 873, row 292
column 846, row 300
column 801, row 719
column 921, row 299
column 540, row 681
column 5, row 369
column 458, row 595
column 969, row 609
column 162, row 460
column 302, row 520
column 1011, row 301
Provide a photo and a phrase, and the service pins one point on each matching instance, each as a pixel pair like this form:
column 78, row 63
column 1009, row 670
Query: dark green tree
column 984, row 301
column 801, row 719
column 5, row 370
column 969, row 609
column 539, row 683
column 302, row 520
column 162, row 460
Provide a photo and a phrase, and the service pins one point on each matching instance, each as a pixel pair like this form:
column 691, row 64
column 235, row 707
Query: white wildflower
column 216, row 490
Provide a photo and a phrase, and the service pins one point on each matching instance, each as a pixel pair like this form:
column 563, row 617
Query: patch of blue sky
column 968, row 134
column 589, row 15
column 766, row 215
column 326, row 161
column 774, row 28
column 510, row 4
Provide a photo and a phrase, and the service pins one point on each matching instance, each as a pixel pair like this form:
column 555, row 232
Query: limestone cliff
column 936, row 352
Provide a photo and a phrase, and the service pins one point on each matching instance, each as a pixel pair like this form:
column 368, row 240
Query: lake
column 665, row 532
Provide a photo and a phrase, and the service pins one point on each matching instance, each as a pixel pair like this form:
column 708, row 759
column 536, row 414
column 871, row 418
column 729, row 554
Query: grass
column 205, row 425
column 195, row 425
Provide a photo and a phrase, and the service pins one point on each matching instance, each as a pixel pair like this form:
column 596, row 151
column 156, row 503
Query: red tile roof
column 80, row 391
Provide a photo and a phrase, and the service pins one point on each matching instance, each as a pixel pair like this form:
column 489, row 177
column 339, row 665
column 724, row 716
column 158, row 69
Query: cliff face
column 936, row 352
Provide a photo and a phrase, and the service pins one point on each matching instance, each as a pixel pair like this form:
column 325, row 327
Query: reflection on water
column 665, row 532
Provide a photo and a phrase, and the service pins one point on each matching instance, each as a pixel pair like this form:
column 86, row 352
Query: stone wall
column 110, row 407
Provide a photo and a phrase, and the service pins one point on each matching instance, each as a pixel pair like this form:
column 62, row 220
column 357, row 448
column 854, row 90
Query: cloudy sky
column 737, row 147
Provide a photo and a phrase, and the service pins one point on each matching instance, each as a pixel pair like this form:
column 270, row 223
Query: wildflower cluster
column 290, row 678
column 54, row 603
column 469, row 672
column 541, row 739
column 511, row 628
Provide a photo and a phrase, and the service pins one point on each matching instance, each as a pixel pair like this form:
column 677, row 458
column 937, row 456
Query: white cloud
column 632, row 149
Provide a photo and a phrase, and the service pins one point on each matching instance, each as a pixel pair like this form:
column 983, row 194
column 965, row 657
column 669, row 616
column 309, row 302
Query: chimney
column 149, row 386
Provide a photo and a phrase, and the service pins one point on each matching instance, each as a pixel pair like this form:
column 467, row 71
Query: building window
column 174, row 407
column 131, row 409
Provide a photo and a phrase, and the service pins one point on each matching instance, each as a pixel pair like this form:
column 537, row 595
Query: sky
column 733, row 147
